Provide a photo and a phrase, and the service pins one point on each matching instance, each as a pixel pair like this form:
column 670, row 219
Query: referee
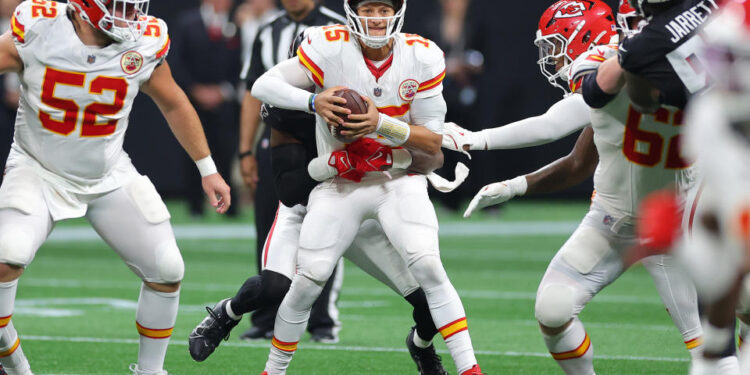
column 271, row 46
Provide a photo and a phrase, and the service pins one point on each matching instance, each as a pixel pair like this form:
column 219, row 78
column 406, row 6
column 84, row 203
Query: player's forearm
column 284, row 86
column 249, row 122
column 423, row 162
column 563, row 118
column 610, row 76
column 567, row 171
column 187, row 128
column 423, row 139
column 10, row 61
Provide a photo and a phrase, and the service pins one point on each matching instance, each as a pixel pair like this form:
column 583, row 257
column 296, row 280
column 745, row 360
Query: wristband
column 206, row 166
column 392, row 129
column 245, row 154
column 518, row 186
column 311, row 103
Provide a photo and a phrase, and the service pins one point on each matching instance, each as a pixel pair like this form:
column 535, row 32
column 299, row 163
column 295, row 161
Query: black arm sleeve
column 593, row 94
column 290, row 176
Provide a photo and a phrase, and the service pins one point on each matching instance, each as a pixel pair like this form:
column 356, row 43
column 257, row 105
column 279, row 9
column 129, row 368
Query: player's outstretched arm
column 186, row 126
column 563, row 118
column 10, row 60
column 563, row 173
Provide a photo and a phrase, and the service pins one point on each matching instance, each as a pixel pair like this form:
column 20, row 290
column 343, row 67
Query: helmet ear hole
column 587, row 37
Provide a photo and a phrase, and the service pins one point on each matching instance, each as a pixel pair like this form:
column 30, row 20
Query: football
column 355, row 104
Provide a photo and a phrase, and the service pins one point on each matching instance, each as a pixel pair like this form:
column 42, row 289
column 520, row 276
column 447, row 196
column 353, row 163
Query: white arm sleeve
column 429, row 112
column 284, row 86
column 563, row 118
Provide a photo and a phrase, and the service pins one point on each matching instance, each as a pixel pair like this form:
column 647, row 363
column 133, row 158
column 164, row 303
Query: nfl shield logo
column 91, row 59
column 378, row 91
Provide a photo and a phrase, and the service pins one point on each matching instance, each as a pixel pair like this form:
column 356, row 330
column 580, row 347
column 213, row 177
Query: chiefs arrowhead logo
column 571, row 9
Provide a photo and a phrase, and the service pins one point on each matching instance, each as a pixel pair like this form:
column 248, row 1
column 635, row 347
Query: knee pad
column 16, row 248
column 318, row 269
column 554, row 305
column 274, row 287
column 169, row 263
column 429, row 271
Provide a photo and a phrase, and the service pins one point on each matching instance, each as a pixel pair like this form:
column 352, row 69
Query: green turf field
column 75, row 309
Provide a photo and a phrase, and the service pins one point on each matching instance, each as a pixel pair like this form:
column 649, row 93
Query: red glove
column 341, row 160
column 660, row 220
column 370, row 156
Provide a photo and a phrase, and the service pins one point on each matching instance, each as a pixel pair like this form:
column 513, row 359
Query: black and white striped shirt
column 271, row 45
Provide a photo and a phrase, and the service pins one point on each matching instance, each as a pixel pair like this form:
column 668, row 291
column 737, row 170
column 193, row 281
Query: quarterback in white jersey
column 400, row 77
column 630, row 154
column 81, row 65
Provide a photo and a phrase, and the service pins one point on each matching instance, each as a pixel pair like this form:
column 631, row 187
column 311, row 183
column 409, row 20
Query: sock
column 230, row 312
column 11, row 354
column 694, row 347
column 419, row 342
column 291, row 321
column 246, row 299
column 448, row 314
column 425, row 326
column 155, row 319
column 572, row 349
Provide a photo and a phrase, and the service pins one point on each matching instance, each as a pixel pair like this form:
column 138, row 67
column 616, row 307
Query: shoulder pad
column 326, row 41
column 155, row 40
column 431, row 60
column 29, row 16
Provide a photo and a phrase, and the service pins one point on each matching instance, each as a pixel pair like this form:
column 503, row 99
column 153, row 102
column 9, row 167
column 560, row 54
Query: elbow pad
column 293, row 183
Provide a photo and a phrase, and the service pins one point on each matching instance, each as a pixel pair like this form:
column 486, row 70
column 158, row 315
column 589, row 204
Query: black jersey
column 299, row 125
column 666, row 51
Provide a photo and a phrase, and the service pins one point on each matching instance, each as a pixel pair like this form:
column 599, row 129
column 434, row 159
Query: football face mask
column 121, row 20
column 567, row 29
column 360, row 25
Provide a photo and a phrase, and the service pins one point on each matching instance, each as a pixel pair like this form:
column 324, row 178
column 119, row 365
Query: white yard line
column 247, row 231
column 265, row 345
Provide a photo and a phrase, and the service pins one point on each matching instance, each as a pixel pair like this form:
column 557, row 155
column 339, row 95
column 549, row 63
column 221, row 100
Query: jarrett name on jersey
column 414, row 70
column 667, row 51
column 75, row 99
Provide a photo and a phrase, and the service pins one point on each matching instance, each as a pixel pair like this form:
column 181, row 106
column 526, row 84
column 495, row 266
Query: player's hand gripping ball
column 355, row 104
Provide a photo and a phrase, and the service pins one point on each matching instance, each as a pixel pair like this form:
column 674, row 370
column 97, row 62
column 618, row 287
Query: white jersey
column 332, row 57
column 75, row 99
column 638, row 154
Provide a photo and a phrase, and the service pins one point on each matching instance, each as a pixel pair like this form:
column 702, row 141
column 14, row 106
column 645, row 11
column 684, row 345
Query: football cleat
column 136, row 371
column 427, row 360
column 473, row 371
column 208, row 334
column 257, row 333
column 324, row 335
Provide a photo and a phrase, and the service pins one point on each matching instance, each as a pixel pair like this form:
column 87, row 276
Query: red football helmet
column 358, row 25
column 567, row 29
column 121, row 20
column 624, row 17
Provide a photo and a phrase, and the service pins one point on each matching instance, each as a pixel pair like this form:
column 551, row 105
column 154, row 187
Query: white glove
column 456, row 137
column 498, row 192
column 589, row 61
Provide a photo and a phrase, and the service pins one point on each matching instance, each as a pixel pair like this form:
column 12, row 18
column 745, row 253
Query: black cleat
column 257, row 333
column 427, row 360
column 324, row 335
column 208, row 334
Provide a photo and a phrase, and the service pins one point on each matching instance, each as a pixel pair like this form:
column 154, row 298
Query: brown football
column 355, row 104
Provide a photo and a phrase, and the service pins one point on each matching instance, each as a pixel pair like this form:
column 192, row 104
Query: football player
column 717, row 136
column 591, row 258
column 293, row 148
column 81, row 65
column 400, row 77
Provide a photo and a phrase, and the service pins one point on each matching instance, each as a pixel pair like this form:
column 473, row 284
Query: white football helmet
column 358, row 25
